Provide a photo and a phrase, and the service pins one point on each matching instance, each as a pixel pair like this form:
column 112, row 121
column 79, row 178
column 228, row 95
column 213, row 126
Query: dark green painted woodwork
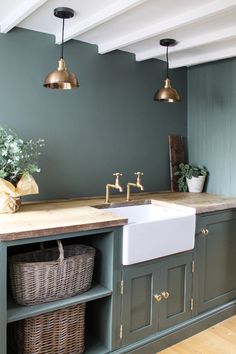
column 215, row 260
column 97, row 129
column 104, row 244
column 115, row 309
column 177, row 281
column 142, row 315
column 140, row 311
column 140, row 289
column 172, row 335
column 148, row 325
column 212, row 123
column 3, row 298
column 16, row 312
column 103, row 301
column 99, row 322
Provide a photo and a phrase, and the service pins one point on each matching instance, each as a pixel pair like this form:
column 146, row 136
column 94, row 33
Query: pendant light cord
column 167, row 62
column 62, row 38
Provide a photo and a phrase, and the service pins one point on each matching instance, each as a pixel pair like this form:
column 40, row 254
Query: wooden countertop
column 56, row 217
column 44, row 219
column 202, row 202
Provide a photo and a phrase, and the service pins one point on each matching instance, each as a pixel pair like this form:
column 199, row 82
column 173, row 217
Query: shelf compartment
column 17, row 312
column 96, row 347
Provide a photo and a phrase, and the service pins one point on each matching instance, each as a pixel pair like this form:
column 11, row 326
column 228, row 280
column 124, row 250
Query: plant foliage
column 18, row 157
column 188, row 171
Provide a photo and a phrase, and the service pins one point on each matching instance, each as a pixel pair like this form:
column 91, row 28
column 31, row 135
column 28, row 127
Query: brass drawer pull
column 158, row 297
column 205, row 232
column 165, row 295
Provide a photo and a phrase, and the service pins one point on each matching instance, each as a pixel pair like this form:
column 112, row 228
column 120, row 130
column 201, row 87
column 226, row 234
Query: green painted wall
column 109, row 124
column 212, row 122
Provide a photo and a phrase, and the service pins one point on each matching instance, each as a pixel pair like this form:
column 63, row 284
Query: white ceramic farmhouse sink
column 155, row 231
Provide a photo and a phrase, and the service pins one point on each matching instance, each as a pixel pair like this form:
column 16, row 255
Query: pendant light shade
column 167, row 93
column 62, row 78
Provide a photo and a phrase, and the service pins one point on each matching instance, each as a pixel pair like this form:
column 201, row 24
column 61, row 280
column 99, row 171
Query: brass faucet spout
column 138, row 184
column 114, row 186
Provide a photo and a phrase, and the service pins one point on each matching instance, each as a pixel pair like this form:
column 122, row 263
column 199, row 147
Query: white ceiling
column 205, row 29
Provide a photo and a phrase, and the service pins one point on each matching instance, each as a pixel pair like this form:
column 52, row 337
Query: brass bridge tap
column 115, row 186
column 138, row 184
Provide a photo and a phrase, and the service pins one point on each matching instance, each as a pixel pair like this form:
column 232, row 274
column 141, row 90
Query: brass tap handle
column 157, row 297
column 165, row 294
column 138, row 174
column 205, row 232
column 117, row 182
column 117, row 174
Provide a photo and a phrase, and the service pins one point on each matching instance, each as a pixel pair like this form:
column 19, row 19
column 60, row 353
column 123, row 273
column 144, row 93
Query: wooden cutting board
column 177, row 155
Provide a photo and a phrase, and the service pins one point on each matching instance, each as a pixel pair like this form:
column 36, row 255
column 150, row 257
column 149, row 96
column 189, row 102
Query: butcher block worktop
column 43, row 219
column 49, row 218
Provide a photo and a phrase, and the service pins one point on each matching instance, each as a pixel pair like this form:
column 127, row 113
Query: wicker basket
column 57, row 332
column 51, row 274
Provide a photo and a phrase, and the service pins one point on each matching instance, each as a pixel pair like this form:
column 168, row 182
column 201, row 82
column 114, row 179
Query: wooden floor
column 219, row 339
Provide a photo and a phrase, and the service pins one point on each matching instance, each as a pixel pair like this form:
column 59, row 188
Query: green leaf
column 18, row 156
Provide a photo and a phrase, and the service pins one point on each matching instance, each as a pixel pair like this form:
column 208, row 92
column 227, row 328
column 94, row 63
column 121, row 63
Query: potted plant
column 18, row 160
column 191, row 178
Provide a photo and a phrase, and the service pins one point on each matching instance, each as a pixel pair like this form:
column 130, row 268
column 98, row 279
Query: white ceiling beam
column 20, row 13
column 197, row 14
column 204, row 58
column 208, row 38
column 99, row 18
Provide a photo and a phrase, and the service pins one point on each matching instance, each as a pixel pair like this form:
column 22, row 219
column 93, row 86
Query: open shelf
column 17, row 312
column 96, row 347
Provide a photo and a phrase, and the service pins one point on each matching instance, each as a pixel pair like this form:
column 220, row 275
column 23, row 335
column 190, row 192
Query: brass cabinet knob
column 165, row 295
column 158, row 297
column 205, row 232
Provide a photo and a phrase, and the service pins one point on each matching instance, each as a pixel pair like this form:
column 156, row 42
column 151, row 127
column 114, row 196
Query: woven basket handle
column 61, row 251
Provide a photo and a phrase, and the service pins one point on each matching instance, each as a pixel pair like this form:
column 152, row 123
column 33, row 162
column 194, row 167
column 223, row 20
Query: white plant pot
column 195, row 184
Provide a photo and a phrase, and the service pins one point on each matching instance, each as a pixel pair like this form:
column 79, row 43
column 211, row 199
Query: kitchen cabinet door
column 215, row 282
column 156, row 295
column 140, row 310
column 175, row 306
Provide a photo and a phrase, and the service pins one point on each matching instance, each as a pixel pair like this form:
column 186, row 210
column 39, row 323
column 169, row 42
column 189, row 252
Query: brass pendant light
column 62, row 78
column 167, row 93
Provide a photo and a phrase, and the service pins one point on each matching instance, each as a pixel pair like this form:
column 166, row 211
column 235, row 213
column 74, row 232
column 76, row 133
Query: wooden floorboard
column 219, row 339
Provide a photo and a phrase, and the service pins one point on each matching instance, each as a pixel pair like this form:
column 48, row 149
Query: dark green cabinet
column 175, row 291
column 156, row 295
column 215, row 278
column 133, row 309
column 177, row 280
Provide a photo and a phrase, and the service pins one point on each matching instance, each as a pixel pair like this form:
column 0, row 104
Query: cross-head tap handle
column 118, row 175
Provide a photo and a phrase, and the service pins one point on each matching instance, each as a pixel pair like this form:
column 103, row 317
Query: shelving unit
column 100, row 336
column 17, row 312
